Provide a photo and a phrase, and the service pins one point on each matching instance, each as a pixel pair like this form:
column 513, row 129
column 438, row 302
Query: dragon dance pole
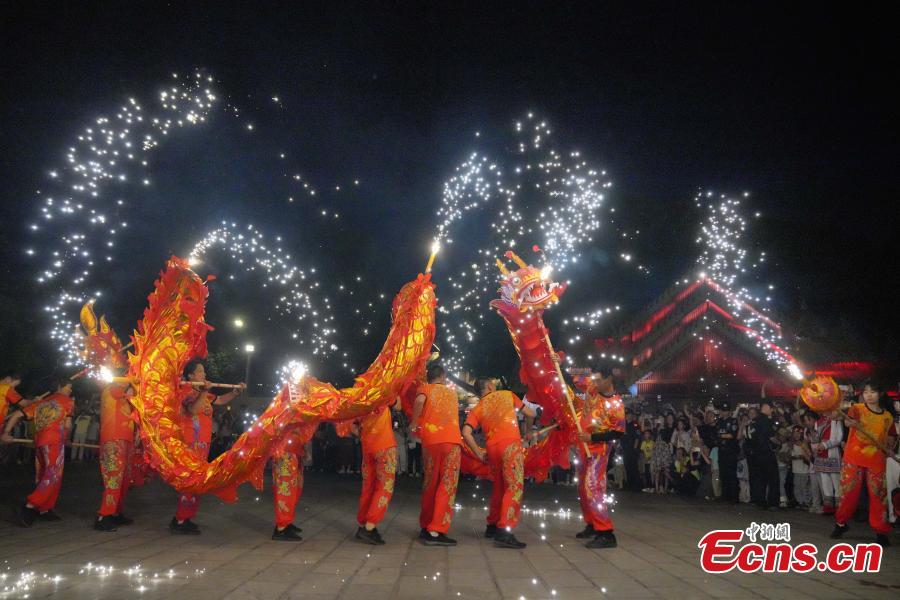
column 566, row 389
column 435, row 247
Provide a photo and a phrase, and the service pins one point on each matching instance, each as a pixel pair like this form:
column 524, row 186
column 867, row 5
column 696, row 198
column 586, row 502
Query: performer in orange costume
column 436, row 421
column 116, row 454
column 865, row 462
column 9, row 396
column 52, row 418
column 379, row 469
column 495, row 414
column 602, row 420
column 287, row 482
column 196, row 427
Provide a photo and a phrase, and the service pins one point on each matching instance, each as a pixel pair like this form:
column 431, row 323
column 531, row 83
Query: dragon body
column 173, row 332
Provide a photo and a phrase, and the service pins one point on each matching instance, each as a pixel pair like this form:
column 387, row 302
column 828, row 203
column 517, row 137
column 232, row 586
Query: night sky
column 790, row 103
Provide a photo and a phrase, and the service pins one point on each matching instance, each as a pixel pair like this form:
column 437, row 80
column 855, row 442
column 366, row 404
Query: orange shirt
column 49, row 416
column 376, row 431
column 439, row 421
column 8, row 396
column 496, row 415
column 197, row 429
column 115, row 415
column 860, row 450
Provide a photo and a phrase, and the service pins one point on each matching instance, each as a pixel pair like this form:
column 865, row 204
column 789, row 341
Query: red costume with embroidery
column 196, row 430
column 495, row 414
column 287, row 474
column 598, row 415
column 441, row 452
column 865, row 462
column 116, row 448
column 49, row 415
column 379, row 466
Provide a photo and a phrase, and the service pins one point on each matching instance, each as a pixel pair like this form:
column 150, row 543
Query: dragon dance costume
column 441, row 453
column 287, row 475
column 495, row 414
column 196, row 430
column 8, row 397
column 49, row 415
column 604, row 418
column 116, row 449
column 865, row 462
column 379, row 466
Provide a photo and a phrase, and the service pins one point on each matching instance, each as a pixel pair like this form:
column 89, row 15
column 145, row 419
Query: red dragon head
column 526, row 289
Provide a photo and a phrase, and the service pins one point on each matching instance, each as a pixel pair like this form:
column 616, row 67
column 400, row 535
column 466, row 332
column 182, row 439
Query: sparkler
column 723, row 262
column 78, row 223
column 534, row 194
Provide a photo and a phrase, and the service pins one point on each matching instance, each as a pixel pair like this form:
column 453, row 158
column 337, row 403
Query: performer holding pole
column 196, row 425
column 602, row 420
column 379, row 471
column 495, row 414
column 435, row 420
column 9, row 396
column 116, row 454
column 865, row 459
column 52, row 418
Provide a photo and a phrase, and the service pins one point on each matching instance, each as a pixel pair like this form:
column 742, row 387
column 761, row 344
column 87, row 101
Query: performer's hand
column 6, row 438
column 482, row 455
column 243, row 386
column 584, row 436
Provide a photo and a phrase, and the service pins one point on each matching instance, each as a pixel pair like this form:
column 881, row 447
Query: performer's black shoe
column 369, row 537
column 505, row 539
column 27, row 516
column 378, row 537
column 587, row 532
column 439, row 540
column 286, row 535
column 106, row 523
column 423, row 534
column 184, row 528
column 122, row 520
column 603, row 539
column 490, row 531
column 883, row 540
column 839, row 530
column 294, row 528
column 49, row 515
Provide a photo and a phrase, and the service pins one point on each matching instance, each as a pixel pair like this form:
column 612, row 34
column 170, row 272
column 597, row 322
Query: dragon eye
column 516, row 281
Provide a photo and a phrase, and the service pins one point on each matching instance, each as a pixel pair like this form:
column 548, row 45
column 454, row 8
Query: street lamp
column 249, row 349
column 239, row 323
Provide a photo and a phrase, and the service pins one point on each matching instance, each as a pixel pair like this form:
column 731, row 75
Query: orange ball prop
column 821, row 394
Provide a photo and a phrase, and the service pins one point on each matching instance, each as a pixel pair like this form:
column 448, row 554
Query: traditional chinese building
column 697, row 342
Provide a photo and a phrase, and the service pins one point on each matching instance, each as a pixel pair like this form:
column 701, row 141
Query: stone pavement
column 235, row 559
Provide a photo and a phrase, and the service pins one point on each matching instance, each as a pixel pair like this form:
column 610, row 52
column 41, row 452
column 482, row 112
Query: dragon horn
column 88, row 318
column 502, row 267
column 515, row 258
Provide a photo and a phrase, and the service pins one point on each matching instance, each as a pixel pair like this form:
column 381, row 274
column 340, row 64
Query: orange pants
column 439, row 487
column 852, row 477
column 379, row 469
column 50, row 461
column 115, row 467
column 507, row 464
column 592, row 490
column 287, row 481
column 189, row 504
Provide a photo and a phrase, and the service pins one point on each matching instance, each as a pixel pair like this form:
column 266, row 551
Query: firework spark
column 538, row 196
column 78, row 226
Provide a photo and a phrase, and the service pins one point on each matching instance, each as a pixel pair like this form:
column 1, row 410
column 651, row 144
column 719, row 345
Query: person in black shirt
column 727, row 442
column 767, row 495
column 630, row 443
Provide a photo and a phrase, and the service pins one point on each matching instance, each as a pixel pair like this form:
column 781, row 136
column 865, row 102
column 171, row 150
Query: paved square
column 235, row 559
